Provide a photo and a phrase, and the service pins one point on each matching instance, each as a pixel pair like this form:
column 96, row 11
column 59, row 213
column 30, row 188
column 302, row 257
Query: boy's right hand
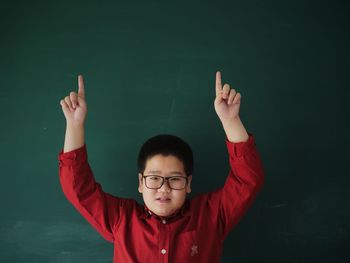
column 74, row 106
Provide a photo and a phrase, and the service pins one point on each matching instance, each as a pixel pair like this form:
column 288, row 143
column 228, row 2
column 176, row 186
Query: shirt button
column 164, row 221
column 163, row 251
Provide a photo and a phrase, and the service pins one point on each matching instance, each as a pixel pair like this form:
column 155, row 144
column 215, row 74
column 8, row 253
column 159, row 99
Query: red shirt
column 195, row 234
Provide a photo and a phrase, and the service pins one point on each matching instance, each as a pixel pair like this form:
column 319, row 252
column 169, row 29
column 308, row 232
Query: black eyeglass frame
column 163, row 180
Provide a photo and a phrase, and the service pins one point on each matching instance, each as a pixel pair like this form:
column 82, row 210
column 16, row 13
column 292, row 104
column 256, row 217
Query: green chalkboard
column 149, row 68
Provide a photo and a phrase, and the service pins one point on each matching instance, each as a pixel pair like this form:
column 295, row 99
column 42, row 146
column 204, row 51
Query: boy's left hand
column 227, row 101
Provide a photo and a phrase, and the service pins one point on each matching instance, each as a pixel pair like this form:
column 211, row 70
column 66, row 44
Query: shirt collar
column 183, row 211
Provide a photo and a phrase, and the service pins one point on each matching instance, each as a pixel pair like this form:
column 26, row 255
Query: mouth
column 163, row 200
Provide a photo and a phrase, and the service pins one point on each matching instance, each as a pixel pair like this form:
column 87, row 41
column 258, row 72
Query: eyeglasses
column 156, row 181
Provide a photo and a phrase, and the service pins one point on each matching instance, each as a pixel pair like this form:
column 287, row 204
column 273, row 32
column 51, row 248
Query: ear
column 140, row 188
column 189, row 180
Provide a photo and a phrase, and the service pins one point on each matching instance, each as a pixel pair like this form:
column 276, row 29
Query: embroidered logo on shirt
column 194, row 250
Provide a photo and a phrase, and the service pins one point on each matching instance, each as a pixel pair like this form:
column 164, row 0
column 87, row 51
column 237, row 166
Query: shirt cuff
column 78, row 155
column 239, row 149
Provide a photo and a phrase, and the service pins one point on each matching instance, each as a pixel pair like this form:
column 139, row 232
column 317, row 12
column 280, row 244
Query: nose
column 165, row 187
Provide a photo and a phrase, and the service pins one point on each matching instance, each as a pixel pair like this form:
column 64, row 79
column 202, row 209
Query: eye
column 154, row 178
column 175, row 179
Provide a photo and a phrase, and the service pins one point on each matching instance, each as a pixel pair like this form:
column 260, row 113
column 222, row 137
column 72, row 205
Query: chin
column 164, row 212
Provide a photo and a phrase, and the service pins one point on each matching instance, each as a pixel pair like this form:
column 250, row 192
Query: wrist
column 73, row 125
column 235, row 130
column 74, row 138
column 231, row 121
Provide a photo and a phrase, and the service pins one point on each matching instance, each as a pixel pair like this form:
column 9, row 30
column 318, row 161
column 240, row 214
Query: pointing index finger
column 218, row 83
column 81, row 90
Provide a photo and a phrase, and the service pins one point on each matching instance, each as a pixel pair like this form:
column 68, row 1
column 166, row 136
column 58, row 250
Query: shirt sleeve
column 100, row 209
column 245, row 179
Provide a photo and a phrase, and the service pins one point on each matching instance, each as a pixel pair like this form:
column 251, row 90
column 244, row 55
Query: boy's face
column 164, row 166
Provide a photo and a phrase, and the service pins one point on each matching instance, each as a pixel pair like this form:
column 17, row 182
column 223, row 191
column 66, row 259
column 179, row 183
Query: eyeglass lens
column 156, row 182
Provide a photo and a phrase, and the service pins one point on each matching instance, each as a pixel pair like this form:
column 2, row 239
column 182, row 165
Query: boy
column 168, row 227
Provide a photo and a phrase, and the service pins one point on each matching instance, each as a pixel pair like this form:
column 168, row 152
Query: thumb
column 218, row 99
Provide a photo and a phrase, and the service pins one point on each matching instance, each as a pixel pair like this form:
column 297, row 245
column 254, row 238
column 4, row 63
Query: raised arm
column 246, row 174
column 100, row 209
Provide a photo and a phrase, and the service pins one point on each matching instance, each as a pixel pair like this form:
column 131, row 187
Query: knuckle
column 67, row 100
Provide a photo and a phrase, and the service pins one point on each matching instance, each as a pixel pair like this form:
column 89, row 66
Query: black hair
column 166, row 144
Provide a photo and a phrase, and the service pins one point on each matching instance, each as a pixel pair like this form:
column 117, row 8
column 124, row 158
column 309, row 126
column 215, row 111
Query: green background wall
column 149, row 68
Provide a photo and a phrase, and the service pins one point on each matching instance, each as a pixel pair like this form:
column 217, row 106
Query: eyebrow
column 174, row 172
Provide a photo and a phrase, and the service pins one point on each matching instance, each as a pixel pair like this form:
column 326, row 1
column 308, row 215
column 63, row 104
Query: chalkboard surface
column 149, row 68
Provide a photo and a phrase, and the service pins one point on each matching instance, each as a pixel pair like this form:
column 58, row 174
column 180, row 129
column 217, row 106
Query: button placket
column 164, row 240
